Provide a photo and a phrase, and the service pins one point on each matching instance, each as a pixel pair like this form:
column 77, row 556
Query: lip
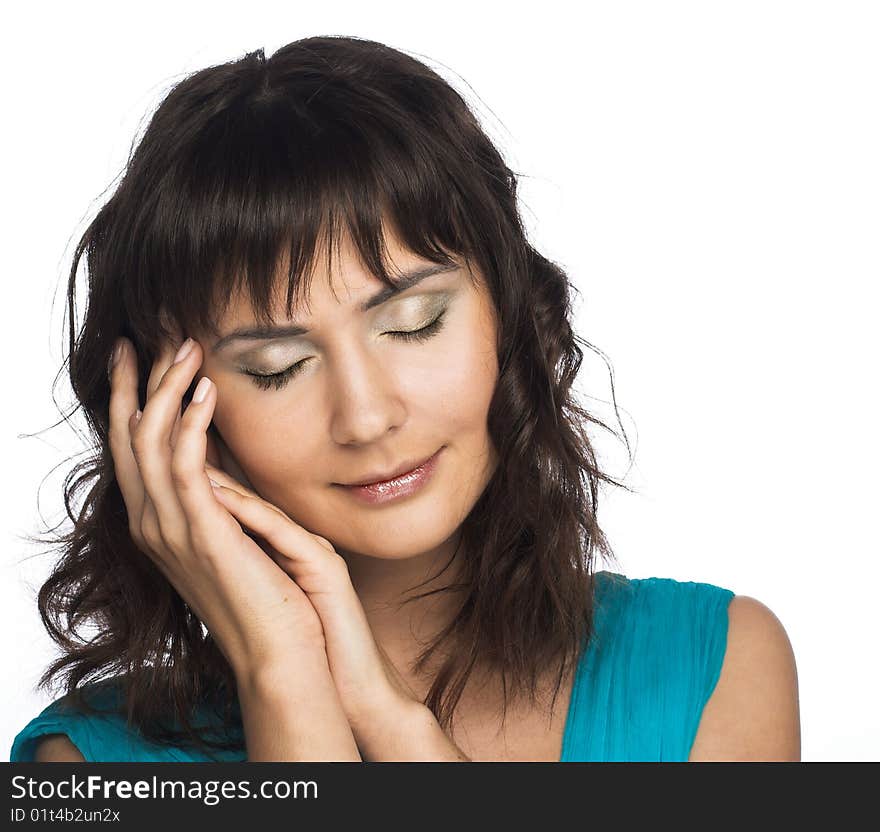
column 398, row 486
column 376, row 477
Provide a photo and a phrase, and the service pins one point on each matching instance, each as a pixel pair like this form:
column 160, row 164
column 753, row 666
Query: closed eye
column 279, row 380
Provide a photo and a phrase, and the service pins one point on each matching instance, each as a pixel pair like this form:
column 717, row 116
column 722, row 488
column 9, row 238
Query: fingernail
column 201, row 390
column 137, row 415
column 184, row 350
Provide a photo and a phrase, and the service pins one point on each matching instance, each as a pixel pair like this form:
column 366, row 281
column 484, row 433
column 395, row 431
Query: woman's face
column 364, row 401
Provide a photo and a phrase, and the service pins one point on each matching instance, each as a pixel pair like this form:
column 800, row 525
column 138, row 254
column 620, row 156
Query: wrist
column 411, row 733
column 294, row 671
column 385, row 707
column 430, row 742
column 294, row 715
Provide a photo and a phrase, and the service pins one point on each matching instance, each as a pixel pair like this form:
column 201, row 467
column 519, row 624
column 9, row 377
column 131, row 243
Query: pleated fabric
column 644, row 679
column 639, row 691
column 106, row 738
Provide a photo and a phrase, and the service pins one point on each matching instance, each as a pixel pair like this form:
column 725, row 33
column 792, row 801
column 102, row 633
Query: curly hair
column 250, row 163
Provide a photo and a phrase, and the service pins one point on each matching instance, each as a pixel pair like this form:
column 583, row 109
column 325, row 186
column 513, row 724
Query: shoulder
column 753, row 712
column 57, row 748
column 63, row 732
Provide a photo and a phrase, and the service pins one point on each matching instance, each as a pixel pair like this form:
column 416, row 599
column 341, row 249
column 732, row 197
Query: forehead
column 347, row 282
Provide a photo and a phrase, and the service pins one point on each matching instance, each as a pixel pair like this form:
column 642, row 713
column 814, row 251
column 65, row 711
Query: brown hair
column 255, row 159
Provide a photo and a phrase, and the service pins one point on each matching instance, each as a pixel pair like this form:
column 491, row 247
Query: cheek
column 460, row 384
column 256, row 438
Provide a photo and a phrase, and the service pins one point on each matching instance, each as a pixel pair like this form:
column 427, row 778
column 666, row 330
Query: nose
column 365, row 399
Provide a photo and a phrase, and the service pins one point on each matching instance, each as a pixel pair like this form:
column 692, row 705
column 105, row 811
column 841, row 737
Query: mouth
column 399, row 487
column 381, row 478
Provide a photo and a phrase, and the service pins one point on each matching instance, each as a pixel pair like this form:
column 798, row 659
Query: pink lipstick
column 401, row 486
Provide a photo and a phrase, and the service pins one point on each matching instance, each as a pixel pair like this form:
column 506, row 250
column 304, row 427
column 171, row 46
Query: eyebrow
column 404, row 282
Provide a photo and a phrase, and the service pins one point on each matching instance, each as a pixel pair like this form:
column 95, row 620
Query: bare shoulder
column 57, row 748
column 753, row 714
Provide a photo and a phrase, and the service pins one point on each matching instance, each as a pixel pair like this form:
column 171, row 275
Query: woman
column 314, row 276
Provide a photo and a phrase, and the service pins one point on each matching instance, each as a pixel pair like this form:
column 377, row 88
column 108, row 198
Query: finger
column 308, row 561
column 221, row 477
column 163, row 361
column 151, row 441
column 188, row 468
column 175, row 428
column 123, row 406
column 167, row 351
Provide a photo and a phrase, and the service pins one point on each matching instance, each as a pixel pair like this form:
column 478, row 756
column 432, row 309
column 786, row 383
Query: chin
column 401, row 548
column 385, row 554
column 385, row 542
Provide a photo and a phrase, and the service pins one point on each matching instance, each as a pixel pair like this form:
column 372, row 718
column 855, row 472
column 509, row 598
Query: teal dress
column 638, row 695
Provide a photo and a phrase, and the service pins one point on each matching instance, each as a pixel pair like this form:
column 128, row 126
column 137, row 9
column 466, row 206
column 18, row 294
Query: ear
column 165, row 318
column 176, row 335
column 219, row 455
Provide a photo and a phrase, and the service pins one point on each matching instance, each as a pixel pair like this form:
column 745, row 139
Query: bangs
column 270, row 184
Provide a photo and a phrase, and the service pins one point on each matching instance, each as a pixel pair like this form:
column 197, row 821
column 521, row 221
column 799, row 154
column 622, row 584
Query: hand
column 368, row 683
column 255, row 613
column 388, row 721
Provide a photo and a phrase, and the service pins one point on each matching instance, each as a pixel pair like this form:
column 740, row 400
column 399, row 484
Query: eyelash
column 279, row 380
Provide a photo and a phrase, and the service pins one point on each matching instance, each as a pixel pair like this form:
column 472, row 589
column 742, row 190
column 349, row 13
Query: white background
column 707, row 173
